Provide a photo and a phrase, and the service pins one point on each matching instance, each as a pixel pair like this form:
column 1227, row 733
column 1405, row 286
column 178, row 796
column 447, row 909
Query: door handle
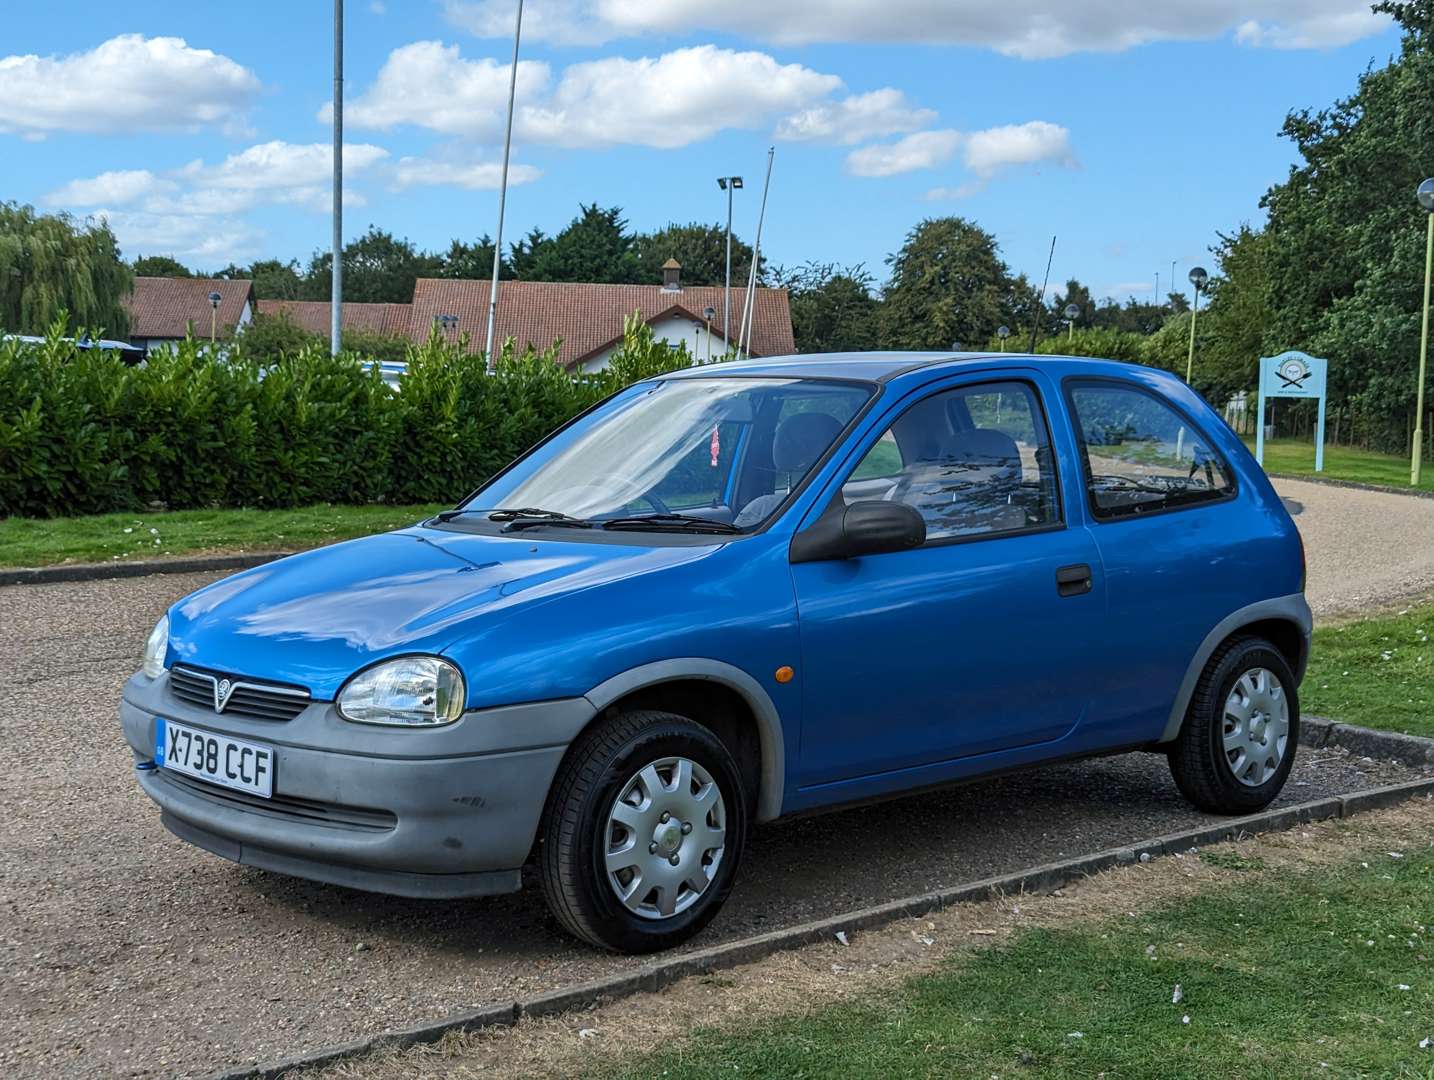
column 1073, row 580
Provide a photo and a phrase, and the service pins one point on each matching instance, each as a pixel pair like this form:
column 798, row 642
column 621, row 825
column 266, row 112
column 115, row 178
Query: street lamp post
column 214, row 299
column 1426, row 200
column 709, row 313
column 1003, row 332
column 728, row 184
column 1072, row 313
column 1198, row 278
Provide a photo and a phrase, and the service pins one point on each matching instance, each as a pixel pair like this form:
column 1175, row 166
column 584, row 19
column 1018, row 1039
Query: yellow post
column 1194, row 314
column 1423, row 356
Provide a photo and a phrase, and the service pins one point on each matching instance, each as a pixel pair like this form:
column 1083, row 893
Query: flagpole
column 744, row 332
column 503, row 194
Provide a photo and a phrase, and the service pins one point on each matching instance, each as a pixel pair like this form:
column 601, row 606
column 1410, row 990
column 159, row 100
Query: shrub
column 81, row 433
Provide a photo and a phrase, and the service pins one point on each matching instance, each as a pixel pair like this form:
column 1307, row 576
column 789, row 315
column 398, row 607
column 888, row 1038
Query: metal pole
column 1414, row 472
column 336, row 295
column 213, row 324
column 744, row 334
column 503, row 194
column 1172, row 273
column 1194, row 314
column 727, row 292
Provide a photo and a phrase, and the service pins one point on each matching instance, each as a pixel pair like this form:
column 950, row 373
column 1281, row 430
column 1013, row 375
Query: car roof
column 879, row 366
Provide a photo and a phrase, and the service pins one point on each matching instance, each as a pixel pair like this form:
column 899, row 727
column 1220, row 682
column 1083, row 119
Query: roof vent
column 672, row 276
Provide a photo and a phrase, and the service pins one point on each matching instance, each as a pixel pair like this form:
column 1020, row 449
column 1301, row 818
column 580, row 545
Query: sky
column 1133, row 130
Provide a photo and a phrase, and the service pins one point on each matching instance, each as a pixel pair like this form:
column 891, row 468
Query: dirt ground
column 814, row 977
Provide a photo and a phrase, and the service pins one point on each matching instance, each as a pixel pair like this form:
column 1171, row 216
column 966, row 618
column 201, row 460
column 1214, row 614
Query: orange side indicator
column 785, row 674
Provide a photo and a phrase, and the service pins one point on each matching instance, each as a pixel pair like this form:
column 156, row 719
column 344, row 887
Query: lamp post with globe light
column 1426, row 200
column 1003, row 332
column 214, row 300
column 1199, row 278
column 1072, row 313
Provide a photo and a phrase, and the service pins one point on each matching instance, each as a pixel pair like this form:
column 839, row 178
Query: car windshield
column 716, row 454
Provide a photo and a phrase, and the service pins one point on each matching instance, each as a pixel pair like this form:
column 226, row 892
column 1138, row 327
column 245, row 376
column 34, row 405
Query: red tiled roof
column 165, row 307
column 313, row 315
column 588, row 318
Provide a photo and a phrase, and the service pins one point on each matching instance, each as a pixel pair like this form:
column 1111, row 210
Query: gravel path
column 1365, row 549
column 127, row 952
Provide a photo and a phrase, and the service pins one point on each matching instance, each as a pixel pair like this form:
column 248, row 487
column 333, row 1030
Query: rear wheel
column 642, row 832
column 1237, row 746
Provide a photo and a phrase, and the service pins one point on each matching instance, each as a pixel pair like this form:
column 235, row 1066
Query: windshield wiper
column 670, row 523
column 522, row 517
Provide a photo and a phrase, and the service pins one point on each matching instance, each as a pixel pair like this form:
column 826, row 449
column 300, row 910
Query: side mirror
column 864, row 528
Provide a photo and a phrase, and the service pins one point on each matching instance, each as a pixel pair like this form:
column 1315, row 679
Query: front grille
column 304, row 811
column 267, row 701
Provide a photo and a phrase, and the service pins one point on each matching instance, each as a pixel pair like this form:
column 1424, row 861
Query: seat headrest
column 801, row 439
column 986, row 446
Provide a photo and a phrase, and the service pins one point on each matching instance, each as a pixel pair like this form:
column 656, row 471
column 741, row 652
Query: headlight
column 411, row 691
column 156, row 647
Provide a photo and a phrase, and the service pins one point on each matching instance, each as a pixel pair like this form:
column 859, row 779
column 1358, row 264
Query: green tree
column 833, row 309
column 273, row 279
column 472, row 261
column 702, row 251
column 595, row 246
column 53, row 266
column 1341, row 269
column 523, row 255
column 948, row 284
column 268, row 339
column 161, row 266
column 378, row 268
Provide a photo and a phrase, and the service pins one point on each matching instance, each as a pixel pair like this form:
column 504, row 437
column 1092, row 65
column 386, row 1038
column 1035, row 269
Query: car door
column 985, row 638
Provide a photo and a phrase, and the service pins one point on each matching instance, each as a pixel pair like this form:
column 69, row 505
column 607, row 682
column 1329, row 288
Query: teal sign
column 1292, row 375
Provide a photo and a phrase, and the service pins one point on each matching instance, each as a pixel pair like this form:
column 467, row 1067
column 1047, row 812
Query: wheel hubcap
column 665, row 837
column 1256, row 726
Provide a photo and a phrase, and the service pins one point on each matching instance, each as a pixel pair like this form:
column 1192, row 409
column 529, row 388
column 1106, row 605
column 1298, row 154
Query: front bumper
column 439, row 813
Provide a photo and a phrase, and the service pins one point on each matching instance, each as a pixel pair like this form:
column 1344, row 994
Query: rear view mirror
column 864, row 528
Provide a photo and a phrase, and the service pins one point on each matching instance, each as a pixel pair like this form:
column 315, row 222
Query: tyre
column 1238, row 742
column 643, row 831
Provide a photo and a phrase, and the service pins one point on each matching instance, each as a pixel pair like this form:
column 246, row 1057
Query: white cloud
column 129, row 83
column 1124, row 289
column 676, row 99
column 195, row 239
column 988, row 152
column 667, row 101
column 985, row 154
column 922, row 150
column 192, row 211
column 117, row 188
column 1031, row 29
column 856, row 118
column 477, row 176
column 430, row 85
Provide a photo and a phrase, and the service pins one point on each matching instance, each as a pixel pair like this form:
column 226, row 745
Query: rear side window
column 1140, row 454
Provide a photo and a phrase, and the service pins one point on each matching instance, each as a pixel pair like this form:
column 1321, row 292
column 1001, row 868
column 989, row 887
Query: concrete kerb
column 1037, row 879
column 1355, row 485
column 196, row 564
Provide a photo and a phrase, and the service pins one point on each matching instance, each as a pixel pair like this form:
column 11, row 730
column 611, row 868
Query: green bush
column 82, row 433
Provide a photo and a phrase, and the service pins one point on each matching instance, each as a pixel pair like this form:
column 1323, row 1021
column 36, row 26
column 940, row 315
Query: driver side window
column 972, row 461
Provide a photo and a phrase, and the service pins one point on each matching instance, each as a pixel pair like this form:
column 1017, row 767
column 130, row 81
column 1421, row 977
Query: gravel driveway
column 1365, row 549
column 127, row 952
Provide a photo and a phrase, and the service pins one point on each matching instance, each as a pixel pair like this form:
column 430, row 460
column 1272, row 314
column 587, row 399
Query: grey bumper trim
column 392, row 882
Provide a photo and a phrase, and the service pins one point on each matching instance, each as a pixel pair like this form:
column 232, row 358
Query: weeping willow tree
column 52, row 265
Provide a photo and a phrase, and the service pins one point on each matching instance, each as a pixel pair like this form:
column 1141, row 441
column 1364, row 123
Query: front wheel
column 1237, row 746
column 643, row 831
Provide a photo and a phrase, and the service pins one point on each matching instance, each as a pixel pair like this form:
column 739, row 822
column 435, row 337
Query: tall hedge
column 82, row 433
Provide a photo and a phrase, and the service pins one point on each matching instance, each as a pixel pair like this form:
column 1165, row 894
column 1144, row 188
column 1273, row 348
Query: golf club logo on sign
column 1293, row 372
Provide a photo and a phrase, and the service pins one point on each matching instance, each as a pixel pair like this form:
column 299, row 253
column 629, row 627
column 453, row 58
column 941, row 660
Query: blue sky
column 1133, row 129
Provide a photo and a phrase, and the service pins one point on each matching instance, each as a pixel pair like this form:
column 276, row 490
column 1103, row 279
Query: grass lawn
column 1295, row 457
column 100, row 538
column 1319, row 972
column 1378, row 672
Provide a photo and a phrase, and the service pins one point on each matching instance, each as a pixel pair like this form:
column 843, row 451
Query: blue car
column 731, row 594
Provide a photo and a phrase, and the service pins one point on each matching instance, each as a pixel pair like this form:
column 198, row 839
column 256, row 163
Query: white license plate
column 233, row 763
